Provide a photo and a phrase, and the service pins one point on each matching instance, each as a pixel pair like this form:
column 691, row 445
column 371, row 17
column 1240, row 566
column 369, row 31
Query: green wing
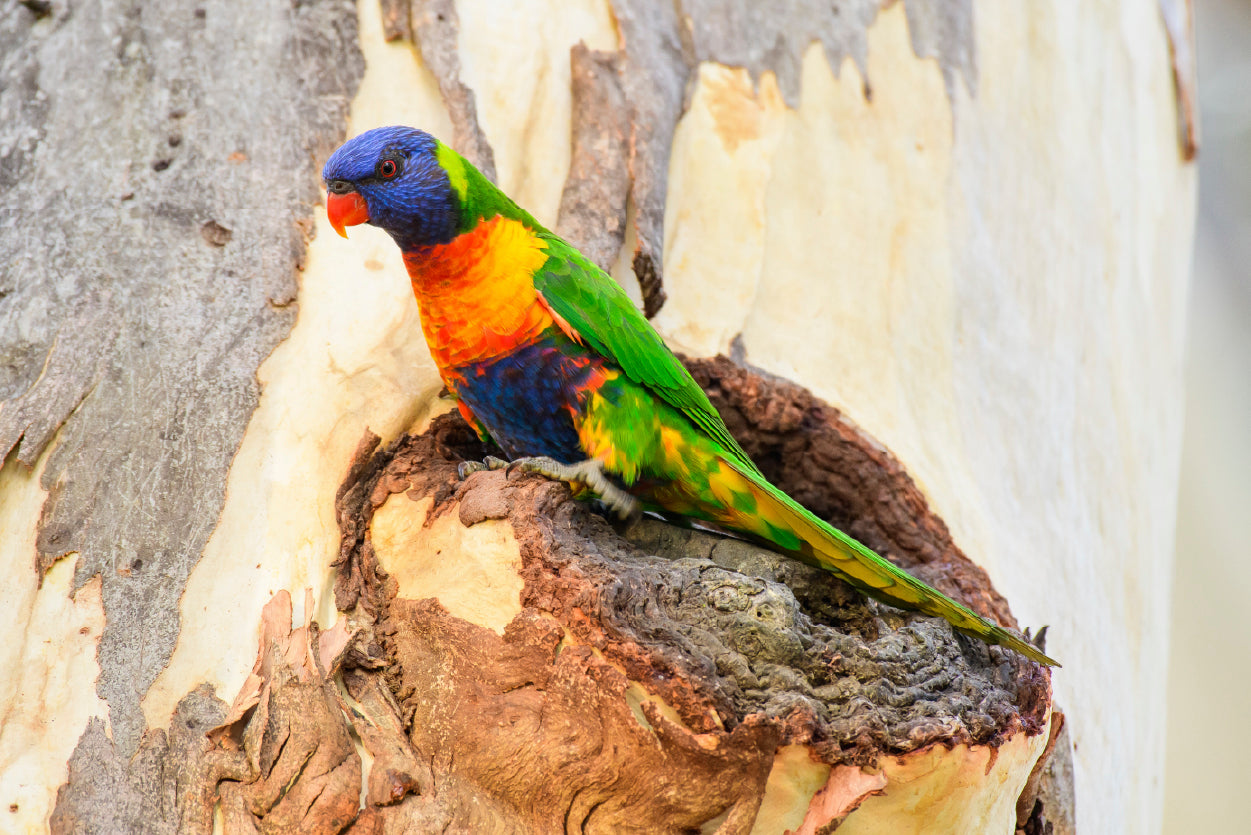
column 604, row 316
column 595, row 306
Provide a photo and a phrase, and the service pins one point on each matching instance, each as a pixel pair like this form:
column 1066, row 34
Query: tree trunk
column 943, row 250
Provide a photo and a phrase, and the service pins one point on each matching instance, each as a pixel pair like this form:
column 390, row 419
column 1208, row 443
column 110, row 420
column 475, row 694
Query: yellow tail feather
column 828, row 548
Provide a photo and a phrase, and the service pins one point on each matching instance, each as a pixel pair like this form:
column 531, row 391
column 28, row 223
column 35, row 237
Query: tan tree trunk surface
column 963, row 231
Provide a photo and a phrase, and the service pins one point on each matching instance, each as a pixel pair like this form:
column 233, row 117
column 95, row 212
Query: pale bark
column 964, row 226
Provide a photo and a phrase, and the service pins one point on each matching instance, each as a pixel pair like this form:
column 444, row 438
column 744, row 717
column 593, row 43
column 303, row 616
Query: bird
column 547, row 356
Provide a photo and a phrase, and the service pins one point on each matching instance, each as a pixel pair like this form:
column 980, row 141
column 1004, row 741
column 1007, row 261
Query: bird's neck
column 477, row 294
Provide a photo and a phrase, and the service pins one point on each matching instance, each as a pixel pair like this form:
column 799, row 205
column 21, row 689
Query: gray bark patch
column 944, row 31
column 628, row 125
column 593, row 203
column 169, row 786
column 434, row 25
column 159, row 171
column 760, row 37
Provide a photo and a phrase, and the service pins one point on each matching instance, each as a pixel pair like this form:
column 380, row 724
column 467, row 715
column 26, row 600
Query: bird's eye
column 388, row 169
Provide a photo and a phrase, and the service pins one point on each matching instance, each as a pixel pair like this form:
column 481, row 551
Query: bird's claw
column 467, row 468
column 540, row 464
column 588, row 475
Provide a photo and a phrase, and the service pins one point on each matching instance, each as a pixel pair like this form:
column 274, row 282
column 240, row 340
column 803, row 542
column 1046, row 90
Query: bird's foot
column 467, row 468
column 588, row 475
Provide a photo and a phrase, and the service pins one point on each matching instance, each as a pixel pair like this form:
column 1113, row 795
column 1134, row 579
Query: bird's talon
column 627, row 513
column 537, row 464
column 467, row 468
column 585, row 475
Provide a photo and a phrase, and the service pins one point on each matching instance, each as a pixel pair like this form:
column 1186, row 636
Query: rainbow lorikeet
column 546, row 355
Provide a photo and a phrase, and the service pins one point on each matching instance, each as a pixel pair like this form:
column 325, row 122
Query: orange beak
column 346, row 210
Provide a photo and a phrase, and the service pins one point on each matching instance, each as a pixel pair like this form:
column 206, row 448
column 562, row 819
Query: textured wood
column 593, row 203
column 121, row 327
column 434, row 25
column 169, row 786
column 645, row 684
column 785, row 640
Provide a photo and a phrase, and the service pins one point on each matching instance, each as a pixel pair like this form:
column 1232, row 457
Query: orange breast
column 477, row 294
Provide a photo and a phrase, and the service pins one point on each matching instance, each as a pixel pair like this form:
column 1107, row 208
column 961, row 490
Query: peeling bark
column 722, row 630
column 655, row 72
column 630, row 121
column 169, row 786
column 434, row 25
column 741, row 33
column 646, row 685
column 139, row 299
column 124, row 329
column 593, row 203
column 281, row 759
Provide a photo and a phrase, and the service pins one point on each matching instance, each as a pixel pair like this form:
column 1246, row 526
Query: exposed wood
column 722, row 630
column 124, row 331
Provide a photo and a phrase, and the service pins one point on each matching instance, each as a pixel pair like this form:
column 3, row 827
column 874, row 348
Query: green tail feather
column 826, row 547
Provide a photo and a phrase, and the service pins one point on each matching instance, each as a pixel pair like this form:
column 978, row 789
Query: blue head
column 392, row 178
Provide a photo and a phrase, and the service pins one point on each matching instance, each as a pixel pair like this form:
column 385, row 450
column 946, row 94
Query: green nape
column 480, row 199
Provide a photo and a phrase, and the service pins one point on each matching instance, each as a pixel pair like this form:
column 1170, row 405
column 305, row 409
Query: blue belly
column 527, row 399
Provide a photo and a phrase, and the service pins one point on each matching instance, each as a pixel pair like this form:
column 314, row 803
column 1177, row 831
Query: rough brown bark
column 611, row 593
column 750, row 649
